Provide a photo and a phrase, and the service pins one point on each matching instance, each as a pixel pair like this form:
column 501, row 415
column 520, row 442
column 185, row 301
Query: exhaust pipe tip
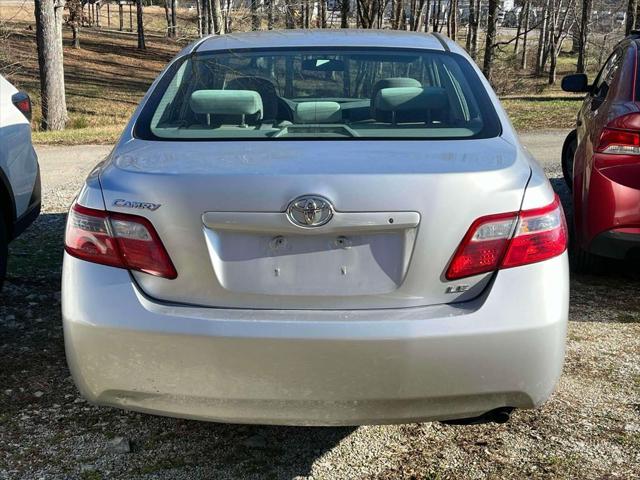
column 499, row 415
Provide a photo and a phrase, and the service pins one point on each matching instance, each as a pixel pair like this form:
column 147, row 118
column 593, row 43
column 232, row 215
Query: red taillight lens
column 510, row 240
column 117, row 240
column 23, row 103
column 621, row 136
column 483, row 246
column 619, row 142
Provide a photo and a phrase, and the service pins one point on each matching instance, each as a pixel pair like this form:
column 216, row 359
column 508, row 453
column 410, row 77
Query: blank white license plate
column 332, row 265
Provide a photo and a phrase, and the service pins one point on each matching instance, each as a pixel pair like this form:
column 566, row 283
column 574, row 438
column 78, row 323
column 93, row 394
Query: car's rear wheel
column 4, row 251
column 568, row 152
column 582, row 261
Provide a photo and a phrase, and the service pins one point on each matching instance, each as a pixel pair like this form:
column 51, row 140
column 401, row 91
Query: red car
column 601, row 159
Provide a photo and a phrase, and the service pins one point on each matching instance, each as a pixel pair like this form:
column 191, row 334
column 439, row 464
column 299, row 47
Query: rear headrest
column 317, row 112
column 404, row 99
column 393, row 83
column 227, row 102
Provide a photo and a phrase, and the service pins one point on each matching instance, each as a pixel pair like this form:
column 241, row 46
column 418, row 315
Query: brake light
column 117, row 240
column 510, row 240
column 621, row 136
column 23, row 103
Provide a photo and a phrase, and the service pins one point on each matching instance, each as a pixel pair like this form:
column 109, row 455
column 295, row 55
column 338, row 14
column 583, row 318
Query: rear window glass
column 319, row 93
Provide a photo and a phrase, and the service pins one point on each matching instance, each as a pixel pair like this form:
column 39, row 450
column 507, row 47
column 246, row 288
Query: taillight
column 117, row 240
column 510, row 240
column 23, row 103
column 621, row 136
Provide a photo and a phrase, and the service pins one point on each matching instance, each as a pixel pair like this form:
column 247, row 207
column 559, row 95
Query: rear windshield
column 317, row 93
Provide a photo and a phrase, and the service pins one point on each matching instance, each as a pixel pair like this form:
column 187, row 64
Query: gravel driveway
column 589, row 429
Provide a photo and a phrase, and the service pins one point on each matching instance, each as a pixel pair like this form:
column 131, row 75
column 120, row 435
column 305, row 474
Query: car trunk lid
column 400, row 210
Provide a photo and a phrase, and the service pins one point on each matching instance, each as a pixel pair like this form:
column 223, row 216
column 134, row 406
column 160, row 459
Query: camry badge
column 310, row 211
column 138, row 205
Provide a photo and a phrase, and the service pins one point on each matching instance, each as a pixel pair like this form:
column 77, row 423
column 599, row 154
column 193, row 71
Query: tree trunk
column 75, row 20
column 207, row 18
column 472, row 19
column 454, row 19
column 523, row 59
column 323, row 13
column 632, row 7
column 584, row 36
column 491, row 38
column 473, row 51
column 516, row 48
column 199, row 15
column 427, row 16
column 542, row 34
column 121, row 17
column 268, row 4
column 140, row 25
column 552, row 46
column 216, row 12
column 344, row 13
column 396, row 8
column 174, row 20
column 255, row 18
column 166, row 16
column 48, row 15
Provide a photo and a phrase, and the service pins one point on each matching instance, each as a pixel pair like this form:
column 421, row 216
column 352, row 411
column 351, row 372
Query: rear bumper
column 618, row 244
column 613, row 207
column 33, row 210
column 505, row 348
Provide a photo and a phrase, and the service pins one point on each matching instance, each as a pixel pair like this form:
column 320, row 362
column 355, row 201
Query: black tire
column 582, row 261
column 4, row 251
column 568, row 152
column 585, row 262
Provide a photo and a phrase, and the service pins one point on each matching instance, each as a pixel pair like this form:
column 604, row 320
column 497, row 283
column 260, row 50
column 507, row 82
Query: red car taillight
column 510, row 240
column 117, row 240
column 23, row 103
column 621, row 136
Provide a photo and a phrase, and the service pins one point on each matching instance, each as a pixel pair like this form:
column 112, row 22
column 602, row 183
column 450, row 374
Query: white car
column 317, row 227
column 19, row 170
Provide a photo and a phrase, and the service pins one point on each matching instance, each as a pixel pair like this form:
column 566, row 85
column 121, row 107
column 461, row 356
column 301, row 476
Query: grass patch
column 96, row 135
column 528, row 115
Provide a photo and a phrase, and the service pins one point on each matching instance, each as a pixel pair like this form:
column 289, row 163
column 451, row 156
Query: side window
column 607, row 74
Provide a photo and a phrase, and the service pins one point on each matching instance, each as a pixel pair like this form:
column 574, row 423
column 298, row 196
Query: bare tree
column 289, row 19
column 559, row 29
column 199, row 18
column 452, row 19
column 174, row 20
column 396, row 11
column 140, row 25
column 415, row 14
column 269, row 6
column 542, row 37
column 74, row 20
column 527, row 10
column 368, row 12
column 491, row 38
column 216, row 13
column 474, row 23
column 255, row 17
column 323, row 13
column 583, row 35
column 632, row 9
column 345, row 7
column 48, row 15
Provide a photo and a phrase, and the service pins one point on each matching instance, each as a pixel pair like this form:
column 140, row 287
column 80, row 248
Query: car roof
column 324, row 38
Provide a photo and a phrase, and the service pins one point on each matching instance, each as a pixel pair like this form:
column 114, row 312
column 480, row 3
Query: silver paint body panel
column 319, row 332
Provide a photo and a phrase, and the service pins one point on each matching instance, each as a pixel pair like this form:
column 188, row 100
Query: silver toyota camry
column 317, row 228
